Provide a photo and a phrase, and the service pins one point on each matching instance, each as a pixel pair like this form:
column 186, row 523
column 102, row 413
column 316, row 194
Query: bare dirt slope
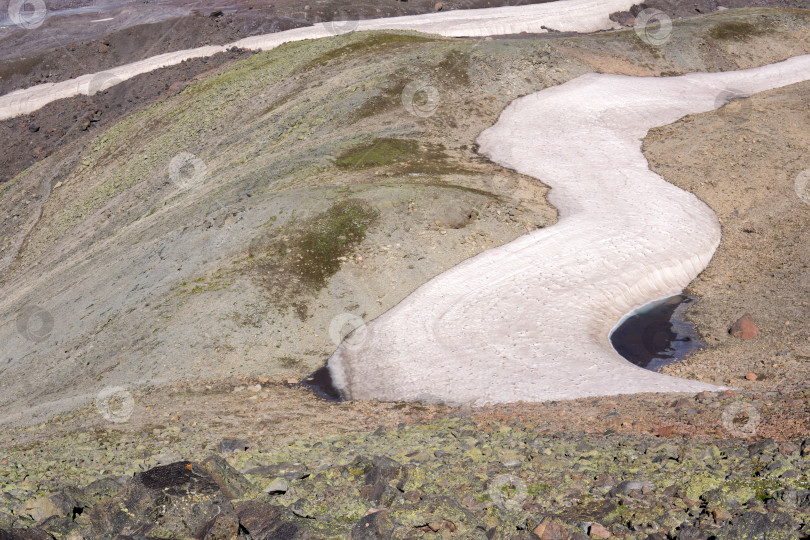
column 749, row 162
column 231, row 228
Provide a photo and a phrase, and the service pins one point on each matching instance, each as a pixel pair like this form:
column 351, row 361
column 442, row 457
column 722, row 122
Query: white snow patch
column 563, row 15
column 530, row 320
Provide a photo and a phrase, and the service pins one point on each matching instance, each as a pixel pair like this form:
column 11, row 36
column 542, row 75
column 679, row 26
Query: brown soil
column 744, row 160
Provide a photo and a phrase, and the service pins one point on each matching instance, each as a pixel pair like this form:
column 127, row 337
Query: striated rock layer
column 530, row 320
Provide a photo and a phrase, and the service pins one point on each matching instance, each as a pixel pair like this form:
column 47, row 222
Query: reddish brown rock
column 744, row 328
column 551, row 530
column 750, row 376
column 598, row 531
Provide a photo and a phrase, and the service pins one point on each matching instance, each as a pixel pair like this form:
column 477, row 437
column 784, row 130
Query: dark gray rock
column 58, row 526
column 290, row 471
column 232, row 484
column 756, row 525
column 630, row 486
column 692, row 533
column 32, row 533
column 179, row 499
column 224, row 526
column 385, row 470
column 768, row 446
column 373, row 527
column 265, row 521
column 7, row 521
column 794, row 497
column 103, row 488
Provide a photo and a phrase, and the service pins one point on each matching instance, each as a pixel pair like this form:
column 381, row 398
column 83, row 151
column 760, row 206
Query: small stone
column 598, row 531
column 628, row 486
column 232, row 445
column 438, row 6
column 278, row 486
column 255, row 388
column 750, row 376
column 744, row 328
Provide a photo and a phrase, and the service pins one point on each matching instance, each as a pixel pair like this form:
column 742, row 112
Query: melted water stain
column 657, row 334
column 321, row 383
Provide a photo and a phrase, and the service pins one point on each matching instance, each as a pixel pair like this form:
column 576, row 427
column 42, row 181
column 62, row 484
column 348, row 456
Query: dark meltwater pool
column 657, row 334
column 320, row 382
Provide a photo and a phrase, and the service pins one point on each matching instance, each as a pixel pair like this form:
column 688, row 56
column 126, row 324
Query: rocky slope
column 455, row 477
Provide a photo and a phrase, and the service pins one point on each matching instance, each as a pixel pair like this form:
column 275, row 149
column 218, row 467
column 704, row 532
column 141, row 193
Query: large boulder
column 266, row 521
column 176, row 500
column 32, row 533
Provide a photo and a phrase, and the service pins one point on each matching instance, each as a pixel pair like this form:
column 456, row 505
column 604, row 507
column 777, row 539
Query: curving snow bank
column 563, row 15
column 530, row 320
